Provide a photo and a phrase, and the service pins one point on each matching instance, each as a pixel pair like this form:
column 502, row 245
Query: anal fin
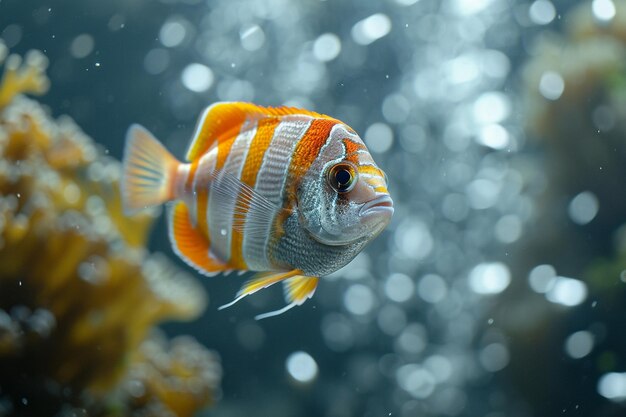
column 189, row 243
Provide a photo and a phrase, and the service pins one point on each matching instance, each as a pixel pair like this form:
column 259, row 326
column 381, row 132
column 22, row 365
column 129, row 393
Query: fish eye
column 342, row 177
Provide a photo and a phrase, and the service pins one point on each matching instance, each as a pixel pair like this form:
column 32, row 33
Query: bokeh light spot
column 567, row 291
column 371, row 28
column 551, row 85
column 82, row 46
column 301, row 367
column 379, row 137
column 612, row 385
column 579, row 344
column 489, row 278
column 542, row 12
column 327, row 47
column 583, row 208
column 399, row 287
column 197, row 77
column 603, row 10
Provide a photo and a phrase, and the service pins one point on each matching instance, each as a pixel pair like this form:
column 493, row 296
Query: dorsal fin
column 221, row 121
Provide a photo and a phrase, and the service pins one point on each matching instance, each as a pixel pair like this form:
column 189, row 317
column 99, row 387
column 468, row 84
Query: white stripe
column 220, row 209
column 200, row 180
column 270, row 183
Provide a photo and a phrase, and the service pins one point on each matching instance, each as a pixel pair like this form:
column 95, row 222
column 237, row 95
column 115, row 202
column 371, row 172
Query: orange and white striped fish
column 289, row 192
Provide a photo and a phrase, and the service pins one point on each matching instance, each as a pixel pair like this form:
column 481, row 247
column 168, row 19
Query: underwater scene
column 162, row 159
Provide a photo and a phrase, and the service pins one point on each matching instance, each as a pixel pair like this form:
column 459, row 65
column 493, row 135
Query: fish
column 291, row 194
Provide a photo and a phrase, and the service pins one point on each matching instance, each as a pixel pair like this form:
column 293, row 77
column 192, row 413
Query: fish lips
column 381, row 206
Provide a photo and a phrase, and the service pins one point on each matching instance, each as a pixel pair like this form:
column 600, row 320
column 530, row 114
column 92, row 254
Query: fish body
column 288, row 192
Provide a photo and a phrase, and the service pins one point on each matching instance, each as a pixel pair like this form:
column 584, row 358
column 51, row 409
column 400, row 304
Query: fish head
column 343, row 197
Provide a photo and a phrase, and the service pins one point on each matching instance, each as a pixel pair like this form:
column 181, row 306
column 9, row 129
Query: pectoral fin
column 259, row 282
column 298, row 289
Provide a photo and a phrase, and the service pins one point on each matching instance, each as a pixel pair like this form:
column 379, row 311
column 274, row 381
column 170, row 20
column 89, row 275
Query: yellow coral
column 22, row 77
column 79, row 293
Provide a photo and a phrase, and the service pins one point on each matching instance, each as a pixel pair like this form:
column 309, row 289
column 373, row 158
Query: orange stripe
column 351, row 150
column 306, row 151
column 259, row 145
column 303, row 157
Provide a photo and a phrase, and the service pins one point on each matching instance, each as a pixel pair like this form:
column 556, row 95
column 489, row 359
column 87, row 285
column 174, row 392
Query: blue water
column 483, row 296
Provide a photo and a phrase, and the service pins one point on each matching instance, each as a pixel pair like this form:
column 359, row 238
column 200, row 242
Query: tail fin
column 149, row 171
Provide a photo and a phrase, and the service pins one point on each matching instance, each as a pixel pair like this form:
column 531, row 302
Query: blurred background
column 499, row 289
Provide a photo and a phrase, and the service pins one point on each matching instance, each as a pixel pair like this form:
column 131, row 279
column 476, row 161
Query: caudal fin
column 149, row 171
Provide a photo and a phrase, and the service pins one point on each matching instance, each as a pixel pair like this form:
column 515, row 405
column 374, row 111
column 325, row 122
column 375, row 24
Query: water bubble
column 482, row 193
column 399, row 287
column 42, row 322
column 494, row 357
column 603, row 10
column 327, row 47
column 415, row 380
column 551, row 85
column 338, row 332
column 391, row 319
column 379, row 137
column 494, row 136
column 455, row 207
column 470, row 7
column 583, row 208
column 432, row 288
column 491, row 107
column 541, row 278
column 371, row 28
column 604, row 118
column 136, row 388
column 439, row 366
column 412, row 340
column 94, row 270
column 250, row 335
column 359, row 299
column 406, row 2
column 197, row 77
column 413, row 138
column 396, row 108
column 301, row 367
column 11, row 35
column 156, row 61
column 414, row 239
column 489, row 278
column 82, row 46
column 542, row 12
column 579, row 344
column 567, row 291
column 508, row 228
column 235, row 90
column 173, row 32
column 612, row 385
column 71, row 193
column 252, row 37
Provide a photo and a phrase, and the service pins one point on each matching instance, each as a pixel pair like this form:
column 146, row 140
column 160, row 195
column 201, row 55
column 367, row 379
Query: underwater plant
column 80, row 295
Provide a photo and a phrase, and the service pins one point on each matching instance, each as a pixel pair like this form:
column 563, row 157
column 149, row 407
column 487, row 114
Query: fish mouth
column 379, row 205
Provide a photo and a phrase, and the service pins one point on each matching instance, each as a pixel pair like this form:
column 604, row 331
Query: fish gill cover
column 498, row 289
